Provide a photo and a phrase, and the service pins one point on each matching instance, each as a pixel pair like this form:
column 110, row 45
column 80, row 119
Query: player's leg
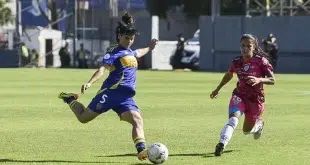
column 253, row 124
column 101, row 103
column 236, row 108
column 129, row 112
column 134, row 118
column 83, row 114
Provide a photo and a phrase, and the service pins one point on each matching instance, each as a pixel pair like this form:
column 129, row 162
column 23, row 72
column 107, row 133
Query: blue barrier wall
column 9, row 59
column 219, row 40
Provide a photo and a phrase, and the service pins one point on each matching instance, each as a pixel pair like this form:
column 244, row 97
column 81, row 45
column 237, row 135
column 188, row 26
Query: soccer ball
column 157, row 153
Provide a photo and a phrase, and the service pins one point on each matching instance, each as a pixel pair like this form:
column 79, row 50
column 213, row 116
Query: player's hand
column 214, row 94
column 153, row 44
column 85, row 87
column 253, row 80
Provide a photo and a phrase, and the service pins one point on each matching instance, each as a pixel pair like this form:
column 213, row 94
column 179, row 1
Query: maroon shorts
column 252, row 110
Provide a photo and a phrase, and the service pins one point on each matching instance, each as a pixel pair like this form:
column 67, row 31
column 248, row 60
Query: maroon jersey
column 257, row 66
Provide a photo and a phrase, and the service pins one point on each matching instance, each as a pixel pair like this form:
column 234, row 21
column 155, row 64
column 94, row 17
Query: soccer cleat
column 219, row 149
column 143, row 155
column 68, row 97
column 259, row 133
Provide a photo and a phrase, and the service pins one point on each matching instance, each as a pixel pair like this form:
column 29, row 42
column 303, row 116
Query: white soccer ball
column 157, row 153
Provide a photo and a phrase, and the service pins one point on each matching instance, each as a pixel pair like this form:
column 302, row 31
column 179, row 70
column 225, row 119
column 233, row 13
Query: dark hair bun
column 127, row 19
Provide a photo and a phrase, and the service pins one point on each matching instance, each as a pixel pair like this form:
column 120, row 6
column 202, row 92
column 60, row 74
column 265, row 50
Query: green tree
column 6, row 15
column 233, row 7
column 160, row 7
column 195, row 8
column 191, row 8
column 55, row 13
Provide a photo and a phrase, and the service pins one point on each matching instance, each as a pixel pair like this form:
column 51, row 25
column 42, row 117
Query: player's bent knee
column 84, row 120
column 248, row 126
column 246, row 133
column 133, row 117
column 246, row 130
column 87, row 116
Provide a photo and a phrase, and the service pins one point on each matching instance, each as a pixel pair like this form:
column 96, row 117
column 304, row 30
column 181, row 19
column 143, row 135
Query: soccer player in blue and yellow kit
column 119, row 88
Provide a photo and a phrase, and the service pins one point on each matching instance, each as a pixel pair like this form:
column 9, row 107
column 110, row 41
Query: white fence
column 161, row 55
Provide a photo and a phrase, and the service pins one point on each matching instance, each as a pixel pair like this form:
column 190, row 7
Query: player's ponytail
column 127, row 19
column 258, row 50
column 126, row 26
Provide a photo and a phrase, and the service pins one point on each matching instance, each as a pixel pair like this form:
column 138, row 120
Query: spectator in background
column 24, row 54
column 34, row 57
column 175, row 60
column 82, row 57
column 64, row 56
column 271, row 48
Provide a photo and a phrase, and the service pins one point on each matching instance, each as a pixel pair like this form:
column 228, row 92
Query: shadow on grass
column 51, row 161
column 119, row 155
column 211, row 154
column 171, row 155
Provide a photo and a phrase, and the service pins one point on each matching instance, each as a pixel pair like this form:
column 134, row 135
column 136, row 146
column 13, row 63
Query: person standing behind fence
column 271, row 48
column 24, row 55
column 82, row 57
column 64, row 56
column 34, row 57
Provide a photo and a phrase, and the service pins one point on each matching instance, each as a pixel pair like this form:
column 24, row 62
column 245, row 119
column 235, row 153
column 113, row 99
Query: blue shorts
column 117, row 99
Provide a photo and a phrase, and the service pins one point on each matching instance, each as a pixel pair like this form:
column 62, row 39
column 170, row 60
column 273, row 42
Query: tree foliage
column 195, row 8
column 160, row 7
column 55, row 13
column 233, row 7
column 6, row 15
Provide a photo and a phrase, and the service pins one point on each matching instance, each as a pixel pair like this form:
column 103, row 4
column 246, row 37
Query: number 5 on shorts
column 103, row 99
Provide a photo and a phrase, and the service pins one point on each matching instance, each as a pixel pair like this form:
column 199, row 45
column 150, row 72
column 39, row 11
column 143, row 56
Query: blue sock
column 140, row 144
column 69, row 100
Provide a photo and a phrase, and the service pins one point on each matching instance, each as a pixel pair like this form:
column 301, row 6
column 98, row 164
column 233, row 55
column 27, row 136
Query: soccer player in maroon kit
column 253, row 70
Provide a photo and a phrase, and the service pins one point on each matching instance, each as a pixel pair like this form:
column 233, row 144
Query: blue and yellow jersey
column 122, row 64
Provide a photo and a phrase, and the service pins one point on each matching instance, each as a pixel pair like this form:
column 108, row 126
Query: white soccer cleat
column 259, row 133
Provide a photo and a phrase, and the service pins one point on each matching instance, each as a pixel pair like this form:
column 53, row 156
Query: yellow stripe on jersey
column 111, row 68
column 100, row 91
column 110, row 49
column 129, row 61
column 116, row 85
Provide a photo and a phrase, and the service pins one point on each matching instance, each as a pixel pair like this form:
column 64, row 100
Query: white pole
column 155, row 34
column 268, row 8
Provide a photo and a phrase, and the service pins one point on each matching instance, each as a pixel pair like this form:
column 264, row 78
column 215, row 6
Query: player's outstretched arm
column 143, row 51
column 226, row 78
column 95, row 77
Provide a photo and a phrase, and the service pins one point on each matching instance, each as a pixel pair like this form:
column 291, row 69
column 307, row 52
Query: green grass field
column 37, row 128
